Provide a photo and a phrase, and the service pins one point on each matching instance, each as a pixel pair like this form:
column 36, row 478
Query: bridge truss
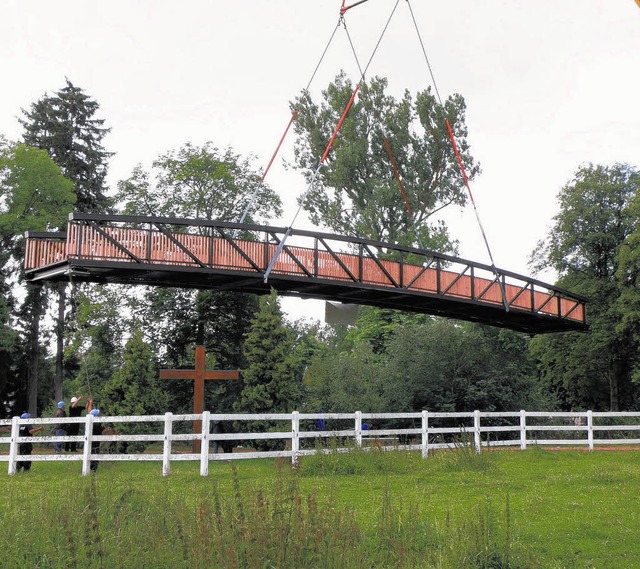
column 233, row 256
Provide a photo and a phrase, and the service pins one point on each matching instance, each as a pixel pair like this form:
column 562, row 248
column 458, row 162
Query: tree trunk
column 58, row 379
column 36, row 298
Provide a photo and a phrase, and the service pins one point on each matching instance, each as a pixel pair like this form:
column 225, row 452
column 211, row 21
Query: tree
column 206, row 183
column 443, row 365
column 377, row 326
column 269, row 380
column 356, row 192
column 175, row 319
column 64, row 125
column 344, row 381
column 134, row 388
column 34, row 196
column 589, row 246
column 93, row 353
column 198, row 182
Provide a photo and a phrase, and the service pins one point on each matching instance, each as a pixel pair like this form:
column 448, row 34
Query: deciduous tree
column 200, row 182
column 356, row 192
column 590, row 246
column 34, row 196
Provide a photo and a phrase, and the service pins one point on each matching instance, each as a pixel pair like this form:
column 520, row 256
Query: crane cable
column 461, row 165
column 294, row 114
column 330, row 144
column 83, row 358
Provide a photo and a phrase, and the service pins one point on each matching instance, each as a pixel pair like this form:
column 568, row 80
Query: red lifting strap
column 459, row 159
column 344, row 8
column 339, row 125
column 397, row 174
column 286, row 130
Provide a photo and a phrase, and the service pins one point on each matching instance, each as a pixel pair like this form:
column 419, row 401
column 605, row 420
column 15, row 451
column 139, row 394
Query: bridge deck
column 219, row 255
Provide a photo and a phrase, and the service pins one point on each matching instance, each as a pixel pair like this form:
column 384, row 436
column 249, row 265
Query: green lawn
column 536, row 508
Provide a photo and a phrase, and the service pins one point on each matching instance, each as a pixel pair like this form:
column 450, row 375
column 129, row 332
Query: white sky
column 549, row 85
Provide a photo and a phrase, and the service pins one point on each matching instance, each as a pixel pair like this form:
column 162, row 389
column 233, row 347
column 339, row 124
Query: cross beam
column 199, row 375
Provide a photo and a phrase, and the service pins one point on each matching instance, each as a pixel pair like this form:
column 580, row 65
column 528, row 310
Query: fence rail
column 303, row 434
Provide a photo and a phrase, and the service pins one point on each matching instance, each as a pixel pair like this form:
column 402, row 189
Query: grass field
column 539, row 508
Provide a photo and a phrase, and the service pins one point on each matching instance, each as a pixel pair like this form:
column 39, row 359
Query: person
column 25, row 449
column 60, row 430
column 217, row 428
column 74, row 428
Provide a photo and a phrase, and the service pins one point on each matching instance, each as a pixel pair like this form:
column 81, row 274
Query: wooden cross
column 198, row 375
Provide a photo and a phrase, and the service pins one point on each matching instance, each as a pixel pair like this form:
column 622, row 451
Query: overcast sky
column 549, row 85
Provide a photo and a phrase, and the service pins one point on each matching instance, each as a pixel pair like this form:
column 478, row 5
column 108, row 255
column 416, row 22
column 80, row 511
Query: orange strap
column 397, row 174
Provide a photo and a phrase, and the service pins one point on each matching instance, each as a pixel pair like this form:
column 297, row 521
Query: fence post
column 476, row 430
column 295, row 438
column 13, row 445
column 204, row 444
column 358, row 428
column 523, row 429
column 425, row 434
column 166, row 448
column 590, row 429
column 86, row 451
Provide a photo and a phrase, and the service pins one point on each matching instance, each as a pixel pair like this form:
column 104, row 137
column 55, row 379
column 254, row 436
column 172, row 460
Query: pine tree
column 270, row 383
column 63, row 124
column 134, row 388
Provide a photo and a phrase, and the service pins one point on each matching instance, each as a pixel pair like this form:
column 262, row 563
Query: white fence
column 302, row 434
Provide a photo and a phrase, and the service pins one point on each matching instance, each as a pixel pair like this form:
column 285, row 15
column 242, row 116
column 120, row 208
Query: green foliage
column 34, row 195
column 343, row 381
column 377, row 326
column 390, row 362
column 206, row 183
column 94, row 346
column 198, row 182
column 590, row 245
column 269, row 380
column 357, row 193
column 134, row 388
column 445, row 365
column 64, row 125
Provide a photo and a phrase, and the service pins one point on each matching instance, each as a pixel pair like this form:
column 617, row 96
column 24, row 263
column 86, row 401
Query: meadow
column 500, row 509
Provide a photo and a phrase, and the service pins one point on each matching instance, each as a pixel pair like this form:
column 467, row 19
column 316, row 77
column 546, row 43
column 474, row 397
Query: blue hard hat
column 25, row 416
column 95, row 412
column 60, row 404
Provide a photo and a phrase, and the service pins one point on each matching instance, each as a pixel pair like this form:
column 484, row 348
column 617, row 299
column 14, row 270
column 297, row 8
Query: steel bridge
column 230, row 256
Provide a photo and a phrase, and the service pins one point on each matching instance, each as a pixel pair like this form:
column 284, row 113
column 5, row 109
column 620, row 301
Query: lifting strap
column 396, row 173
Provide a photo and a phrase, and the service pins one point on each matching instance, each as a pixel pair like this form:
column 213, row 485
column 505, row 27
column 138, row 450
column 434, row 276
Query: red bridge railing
column 109, row 242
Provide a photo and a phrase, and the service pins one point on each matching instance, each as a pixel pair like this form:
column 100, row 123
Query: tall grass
column 362, row 509
column 95, row 523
